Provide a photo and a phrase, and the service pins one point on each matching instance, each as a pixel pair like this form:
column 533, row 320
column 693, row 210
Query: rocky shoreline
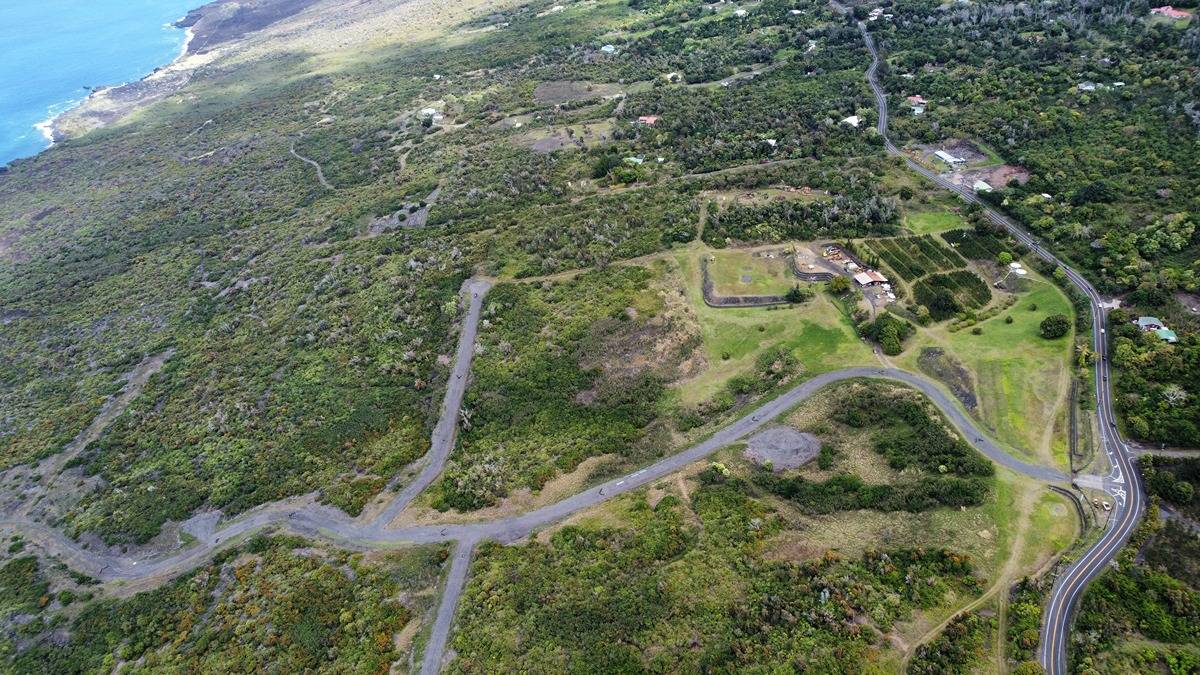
column 211, row 29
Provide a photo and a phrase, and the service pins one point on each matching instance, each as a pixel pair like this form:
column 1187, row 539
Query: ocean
column 51, row 50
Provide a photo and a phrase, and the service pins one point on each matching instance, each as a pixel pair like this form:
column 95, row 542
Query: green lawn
column 820, row 336
column 744, row 273
column 926, row 222
column 1019, row 377
column 1054, row 525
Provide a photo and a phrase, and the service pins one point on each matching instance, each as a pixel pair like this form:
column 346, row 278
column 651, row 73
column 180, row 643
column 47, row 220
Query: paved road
column 1123, row 482
column 442, row 441
column 334, row 526
column 456, row 580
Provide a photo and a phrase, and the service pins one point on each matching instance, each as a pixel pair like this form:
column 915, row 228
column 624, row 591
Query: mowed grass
column 1021, row 379
column 816, row 331
column 929, row 222
column 736, row 272
column 1054, row 525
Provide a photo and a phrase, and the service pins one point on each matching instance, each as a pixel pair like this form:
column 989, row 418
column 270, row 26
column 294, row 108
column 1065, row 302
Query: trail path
column 320, row 174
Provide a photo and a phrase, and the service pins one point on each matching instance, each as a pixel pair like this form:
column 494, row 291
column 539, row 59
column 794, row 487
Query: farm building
column 1170, row 12
column 1149, row 323
column 950, row 159
column 981, row 186
column 1167, row 335
column 870, row 278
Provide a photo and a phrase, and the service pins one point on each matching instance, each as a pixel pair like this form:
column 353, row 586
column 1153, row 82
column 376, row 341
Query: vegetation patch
column 961, row 646
column 624, row 598
column 1173, row 480
column 1140, row 603
column 938, row 468
column 948, row 294
column 1158, row 390
column 273, row 603
column 941, row 366
column 777, row 221
column 567, row 371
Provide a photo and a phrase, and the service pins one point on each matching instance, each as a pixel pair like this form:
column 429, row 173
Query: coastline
column 211, row 30
column 50, row 128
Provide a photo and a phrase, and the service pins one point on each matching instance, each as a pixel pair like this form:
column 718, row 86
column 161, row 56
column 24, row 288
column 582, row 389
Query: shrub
column 1055, row 326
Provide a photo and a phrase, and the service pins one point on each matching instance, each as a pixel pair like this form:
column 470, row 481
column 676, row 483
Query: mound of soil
column 936, row 363
column 783, row 447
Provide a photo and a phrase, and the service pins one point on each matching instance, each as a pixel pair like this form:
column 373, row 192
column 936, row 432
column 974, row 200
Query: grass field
column 1055, row 523
column 820, row 336
column 928, row 222
column 1020, row 377
column 735, row 272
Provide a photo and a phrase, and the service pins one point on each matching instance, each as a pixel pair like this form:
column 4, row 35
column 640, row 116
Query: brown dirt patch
column 562, row 91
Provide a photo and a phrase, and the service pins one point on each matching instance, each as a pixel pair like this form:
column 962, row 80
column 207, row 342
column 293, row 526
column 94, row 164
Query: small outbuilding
column 1170, row 12
column 869, row 278
column 1167, row 335
column 1149, row 323
column 952, row 160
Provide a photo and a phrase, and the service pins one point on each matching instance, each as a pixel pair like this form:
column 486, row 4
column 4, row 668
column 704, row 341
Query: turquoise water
column 51, row 49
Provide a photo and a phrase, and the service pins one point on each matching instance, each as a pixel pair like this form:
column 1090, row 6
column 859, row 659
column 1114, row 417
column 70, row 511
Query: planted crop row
column 914, row 257
column 975, row 245
column 948, row 294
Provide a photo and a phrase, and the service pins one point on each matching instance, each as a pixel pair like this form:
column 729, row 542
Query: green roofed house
column 1149, row 323
column 1167, row 334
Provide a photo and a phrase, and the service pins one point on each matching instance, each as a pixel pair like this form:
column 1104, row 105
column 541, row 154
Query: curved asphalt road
column 1124, row 480
column 334, row 526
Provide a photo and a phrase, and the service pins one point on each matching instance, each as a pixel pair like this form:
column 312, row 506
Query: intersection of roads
column 1123, row 482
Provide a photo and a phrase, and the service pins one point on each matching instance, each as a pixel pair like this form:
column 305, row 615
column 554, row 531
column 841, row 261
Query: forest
column 1144, row 614
column 1158, row 386
column 1093, row 98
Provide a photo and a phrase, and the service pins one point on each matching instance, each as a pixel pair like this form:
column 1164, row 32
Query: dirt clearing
column 784, row 447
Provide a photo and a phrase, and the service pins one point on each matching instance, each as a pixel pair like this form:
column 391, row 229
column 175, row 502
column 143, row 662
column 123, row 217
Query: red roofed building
column 1170, row 12
column 648, row 120
column 917, row 100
